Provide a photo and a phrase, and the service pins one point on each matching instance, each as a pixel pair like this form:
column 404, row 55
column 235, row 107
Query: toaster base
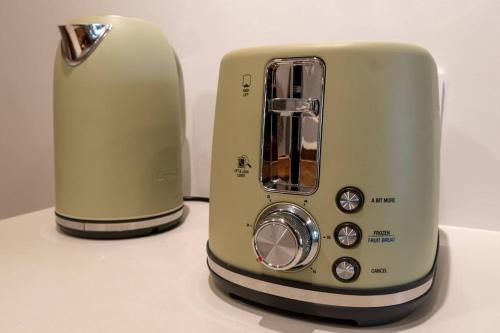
column 362, row 315
column 119, row 229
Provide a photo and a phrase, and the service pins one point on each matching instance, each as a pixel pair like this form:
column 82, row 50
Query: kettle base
column 119, row 229
column 243, row 287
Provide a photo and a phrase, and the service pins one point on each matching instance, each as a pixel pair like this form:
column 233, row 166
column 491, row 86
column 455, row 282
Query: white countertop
column 51, row 282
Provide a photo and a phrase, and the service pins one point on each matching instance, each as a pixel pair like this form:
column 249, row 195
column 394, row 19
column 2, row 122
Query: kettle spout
column 78, row 41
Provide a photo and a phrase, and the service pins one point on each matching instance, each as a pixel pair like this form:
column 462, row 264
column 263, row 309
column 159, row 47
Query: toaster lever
column 306, row 106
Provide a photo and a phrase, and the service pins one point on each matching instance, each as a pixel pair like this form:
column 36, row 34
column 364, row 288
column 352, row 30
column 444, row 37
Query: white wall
column 463, row 36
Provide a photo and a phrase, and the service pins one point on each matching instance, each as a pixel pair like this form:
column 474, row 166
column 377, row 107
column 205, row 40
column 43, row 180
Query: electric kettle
column 118, row 128
column 325, row 179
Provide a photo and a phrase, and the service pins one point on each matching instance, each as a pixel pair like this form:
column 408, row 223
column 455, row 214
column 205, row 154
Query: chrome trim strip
column 118, row 226
column 319, row 297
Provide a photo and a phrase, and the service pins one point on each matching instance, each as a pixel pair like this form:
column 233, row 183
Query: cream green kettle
column 325, row 179
column 118, row 128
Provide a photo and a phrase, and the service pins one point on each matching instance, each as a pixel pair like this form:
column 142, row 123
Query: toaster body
column 118, row 128
column 325, row 179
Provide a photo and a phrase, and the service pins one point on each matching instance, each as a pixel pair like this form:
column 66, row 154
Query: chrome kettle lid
column 78, row 41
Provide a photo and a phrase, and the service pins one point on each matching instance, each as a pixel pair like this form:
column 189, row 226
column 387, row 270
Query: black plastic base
column 359, row 316
column 362, row 316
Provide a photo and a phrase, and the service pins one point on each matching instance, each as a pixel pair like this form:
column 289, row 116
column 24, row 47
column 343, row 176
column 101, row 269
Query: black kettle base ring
column 245, row 285
column 121, row 228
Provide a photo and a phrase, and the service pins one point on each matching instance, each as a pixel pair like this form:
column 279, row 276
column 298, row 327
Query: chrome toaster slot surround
column 291, row 134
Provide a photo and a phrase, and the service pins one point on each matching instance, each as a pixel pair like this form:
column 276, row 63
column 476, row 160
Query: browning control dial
column 285, row 237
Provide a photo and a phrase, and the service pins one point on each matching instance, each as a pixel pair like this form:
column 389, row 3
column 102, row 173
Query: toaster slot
column 291, row 135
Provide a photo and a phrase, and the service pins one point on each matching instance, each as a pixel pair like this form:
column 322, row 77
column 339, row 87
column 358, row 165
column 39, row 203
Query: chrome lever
column 306, row 106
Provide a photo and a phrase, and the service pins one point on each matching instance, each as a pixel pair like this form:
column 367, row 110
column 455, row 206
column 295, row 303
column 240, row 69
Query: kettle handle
column 182, row 96
column 442, row 93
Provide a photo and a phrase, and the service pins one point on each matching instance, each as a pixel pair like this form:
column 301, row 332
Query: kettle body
column 325, row 179
column 118, row 128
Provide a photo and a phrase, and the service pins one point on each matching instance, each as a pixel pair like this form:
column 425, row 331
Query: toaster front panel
column 374, row 205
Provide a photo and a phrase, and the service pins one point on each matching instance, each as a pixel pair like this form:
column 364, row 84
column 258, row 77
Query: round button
column 346, row 269
column 350, row 199
column 285, row 237
column 347, row 234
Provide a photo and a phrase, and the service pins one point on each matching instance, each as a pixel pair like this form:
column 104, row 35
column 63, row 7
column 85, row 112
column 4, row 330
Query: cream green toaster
column 325, row 179
column 118, row 128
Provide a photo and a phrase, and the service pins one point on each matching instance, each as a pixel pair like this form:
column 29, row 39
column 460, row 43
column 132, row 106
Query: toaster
column 118, row 128
column 325, row 179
